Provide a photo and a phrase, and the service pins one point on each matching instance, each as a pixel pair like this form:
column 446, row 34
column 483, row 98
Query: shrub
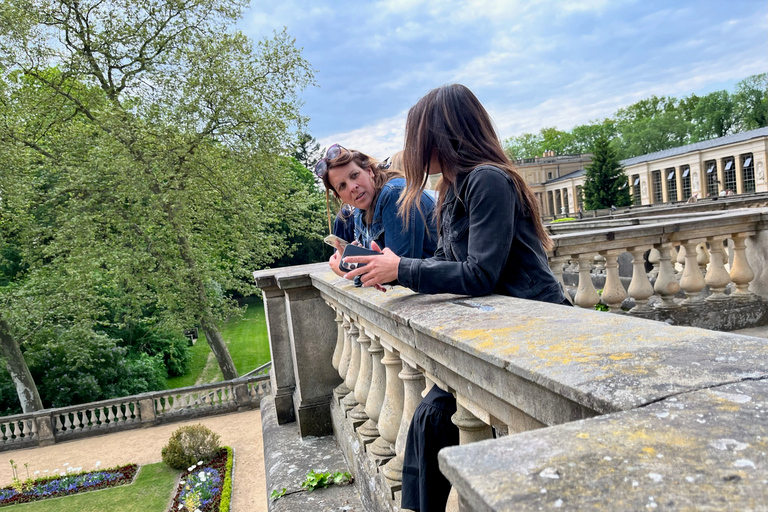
column 190, row 444
column 226, row 490
column 563, row 219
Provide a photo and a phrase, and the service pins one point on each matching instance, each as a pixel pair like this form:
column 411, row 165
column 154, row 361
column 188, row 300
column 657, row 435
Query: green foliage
column 226, row 488
column 277, row 493
column 317, row 480
column 605, row 183
column 563, row 219
column 190, row 444
column 145, row 337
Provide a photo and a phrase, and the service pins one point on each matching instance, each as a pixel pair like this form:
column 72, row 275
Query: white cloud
column 380, row 139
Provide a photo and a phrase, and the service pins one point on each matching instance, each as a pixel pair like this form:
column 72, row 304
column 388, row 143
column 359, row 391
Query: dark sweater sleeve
column 490, row 200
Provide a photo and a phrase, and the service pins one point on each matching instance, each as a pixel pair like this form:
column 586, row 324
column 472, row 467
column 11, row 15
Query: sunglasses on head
column 321, row 167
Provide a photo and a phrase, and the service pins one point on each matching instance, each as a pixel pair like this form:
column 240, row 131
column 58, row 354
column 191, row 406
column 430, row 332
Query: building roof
column 574, row 174
column 707, row 144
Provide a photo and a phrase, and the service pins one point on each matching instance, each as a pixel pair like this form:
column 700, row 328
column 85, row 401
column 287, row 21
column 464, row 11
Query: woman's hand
column 335, row 260
column 378, row 270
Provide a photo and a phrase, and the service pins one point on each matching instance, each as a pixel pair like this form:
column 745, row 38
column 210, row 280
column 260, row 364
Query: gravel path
column 241, row 431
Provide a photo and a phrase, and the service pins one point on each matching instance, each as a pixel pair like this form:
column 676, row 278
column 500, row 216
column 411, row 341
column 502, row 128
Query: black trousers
column 425, row 489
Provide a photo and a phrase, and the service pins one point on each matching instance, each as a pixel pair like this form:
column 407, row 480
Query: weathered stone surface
column 704, row 450
column 288, row 458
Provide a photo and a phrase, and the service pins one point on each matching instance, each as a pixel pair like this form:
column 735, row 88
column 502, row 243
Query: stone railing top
column 605, row 362
column 704, row 450
column 674, row 229
column 297, row 274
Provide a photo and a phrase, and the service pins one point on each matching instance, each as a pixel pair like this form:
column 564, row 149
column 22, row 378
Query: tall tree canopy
column 142, row 144
column 605, row 183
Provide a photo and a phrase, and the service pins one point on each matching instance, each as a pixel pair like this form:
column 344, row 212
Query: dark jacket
column 416, row 240
column 486, row 245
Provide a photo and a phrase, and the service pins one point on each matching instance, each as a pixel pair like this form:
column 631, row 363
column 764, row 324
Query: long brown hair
column 381, row 175
column 451, row 124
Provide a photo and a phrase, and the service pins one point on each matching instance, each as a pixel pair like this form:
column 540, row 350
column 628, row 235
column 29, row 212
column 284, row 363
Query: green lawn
column 150, row 492
column 248, row 344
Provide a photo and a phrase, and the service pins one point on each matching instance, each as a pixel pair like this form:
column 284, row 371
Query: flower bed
column 206, row 487
column 66, row 484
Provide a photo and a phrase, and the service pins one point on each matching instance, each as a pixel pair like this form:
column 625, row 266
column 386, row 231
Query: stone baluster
column 677, row 257
column 471, row 428
column 342, row 390
column 640, row 288
column 339, row 337
column 717, row 277
column 370, row 429
column 692, row 282
column 586, row 295
column 349, row 401
column 413, row 385
column 599, row 260
column 391, row 409
column 556, row 264
column 666, row 283
column 613, row 291
column 653, row 259
column 363, row 384
column 702, row 257
column 741, row 272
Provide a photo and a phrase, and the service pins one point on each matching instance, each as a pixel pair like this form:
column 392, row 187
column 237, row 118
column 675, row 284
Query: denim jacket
column 416, row 240
column 487, row 244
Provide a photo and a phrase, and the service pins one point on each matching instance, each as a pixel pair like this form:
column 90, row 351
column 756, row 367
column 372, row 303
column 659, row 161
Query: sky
column 532, row 63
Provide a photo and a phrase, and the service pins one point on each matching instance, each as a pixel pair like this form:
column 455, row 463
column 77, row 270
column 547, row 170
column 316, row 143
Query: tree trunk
column 19, row 371
column 219, row 348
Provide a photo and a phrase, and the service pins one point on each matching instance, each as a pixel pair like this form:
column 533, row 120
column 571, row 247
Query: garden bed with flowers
column 206, row 487
column 65, row 484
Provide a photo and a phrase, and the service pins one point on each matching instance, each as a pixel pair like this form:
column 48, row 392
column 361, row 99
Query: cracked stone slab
column 704, row 450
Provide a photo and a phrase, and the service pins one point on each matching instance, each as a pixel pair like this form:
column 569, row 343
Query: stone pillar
column 613, row 291
column 391, row 409
column 342, row 390
column 146, row 410
column 717, row 277
column 313, row 335
column 640, row 288
column 43, row 425
column 741, row 272
column 653, row 259
column 679, row 182
column 363, row 384
column 413, row 385
column 556, row 265
column 349, row 402
column 586, row 295
column 282, row 378
column 664, row 186
column 702, row 257
column 471, row 429
column 370, row 429
column 739, row 174
column 666, row 284
column 692, row 282
column 337, row 351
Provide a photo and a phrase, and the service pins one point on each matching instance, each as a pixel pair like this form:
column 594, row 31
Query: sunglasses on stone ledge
column 321, row 167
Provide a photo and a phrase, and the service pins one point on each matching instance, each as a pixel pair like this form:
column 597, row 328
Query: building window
column 551, row 201
column 558, row 203
column 579, row 199
column 711, row 167
column 671, row 184
column 636, row 199
column 549, row 175
column 686, row 182
column 565, row 201
column 658, row 192
column 748, row 172
column 729, row 174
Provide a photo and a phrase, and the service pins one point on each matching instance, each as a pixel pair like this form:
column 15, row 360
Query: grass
column 150, row 492
column 246, row 337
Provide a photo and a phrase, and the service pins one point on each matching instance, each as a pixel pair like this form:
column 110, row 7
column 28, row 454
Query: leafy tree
column 712, row 115
column 143, row 143
column 605, row 183
column 307, row 151
column 751, row 102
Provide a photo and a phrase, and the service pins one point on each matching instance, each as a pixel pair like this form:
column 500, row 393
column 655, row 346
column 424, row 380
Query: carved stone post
column 613, row 291
column 556, row 264
column 391, row 409
column 640, row 288
column 741, row 272
column 653, row 259
column 692, row 282
column 413, row 385
column 471, row 429
column 586, row 295
column 337, row 351
column 342, row 390
column 363, row 384
column 702, row 257
column 370, row 428
column 43, row 425
column 147, row 410
column 717, row 277
column 666, row 282
column 349, row 401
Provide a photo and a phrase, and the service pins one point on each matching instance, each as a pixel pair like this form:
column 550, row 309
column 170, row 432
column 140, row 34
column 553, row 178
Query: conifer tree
column 605, row 184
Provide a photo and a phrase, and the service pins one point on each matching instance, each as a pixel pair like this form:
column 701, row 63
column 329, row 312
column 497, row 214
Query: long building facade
column 734, row 164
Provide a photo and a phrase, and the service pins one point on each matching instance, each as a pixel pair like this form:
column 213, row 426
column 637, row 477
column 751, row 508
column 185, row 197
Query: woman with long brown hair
column 491, row 241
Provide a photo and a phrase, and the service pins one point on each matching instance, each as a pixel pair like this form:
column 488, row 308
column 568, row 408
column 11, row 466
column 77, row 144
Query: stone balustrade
column 513, row 365
column 700, row 256
column 50, row 426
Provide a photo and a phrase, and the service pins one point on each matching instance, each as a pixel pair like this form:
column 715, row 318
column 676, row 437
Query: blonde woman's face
column 353, row 184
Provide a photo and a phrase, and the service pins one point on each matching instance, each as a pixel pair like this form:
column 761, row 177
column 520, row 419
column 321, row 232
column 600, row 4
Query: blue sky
column 533, row 63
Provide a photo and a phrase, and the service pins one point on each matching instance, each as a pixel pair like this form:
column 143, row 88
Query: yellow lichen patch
column 582, row 435
column 648, row 452
column 724, row 404
column 621, row 356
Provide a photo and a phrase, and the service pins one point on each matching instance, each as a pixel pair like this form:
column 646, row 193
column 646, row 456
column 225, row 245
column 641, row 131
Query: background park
column 153, row 155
